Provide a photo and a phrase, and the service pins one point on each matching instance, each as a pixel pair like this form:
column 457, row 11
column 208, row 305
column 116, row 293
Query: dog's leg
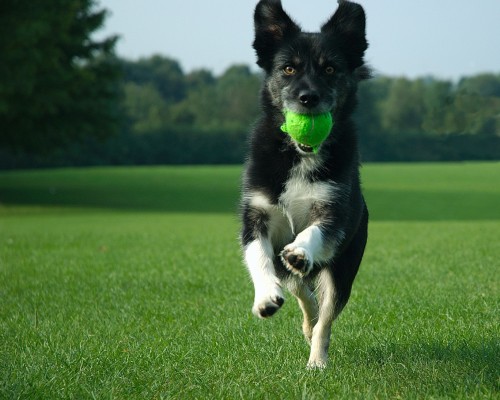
column 327, row 313
column 269, row 297
column 307, row 248
column 308, row 305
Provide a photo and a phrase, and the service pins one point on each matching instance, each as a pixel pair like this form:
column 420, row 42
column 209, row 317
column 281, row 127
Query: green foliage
column 61, row 99
column 57, row 83
column 197, row 101
column 434, row 107
column 128, row 283
column 397, row 118
column 163, row 73
column 145, row 107
column 403, row 109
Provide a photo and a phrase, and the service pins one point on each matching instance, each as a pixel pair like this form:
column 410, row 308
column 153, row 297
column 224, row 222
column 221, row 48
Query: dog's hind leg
column 327, row 312
column 307, row 302
column 334, row 288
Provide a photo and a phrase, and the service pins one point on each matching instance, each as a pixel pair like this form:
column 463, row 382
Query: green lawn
column 120, row 283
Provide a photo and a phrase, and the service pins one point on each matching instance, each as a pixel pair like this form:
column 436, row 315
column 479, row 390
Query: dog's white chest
column 294, row 210
column 298, row 199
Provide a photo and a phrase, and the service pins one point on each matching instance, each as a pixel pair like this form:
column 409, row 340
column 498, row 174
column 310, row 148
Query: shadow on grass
column 383, row 205
column 209, row 190
column 468, row 367
column 393, row 205
column 190, row 200
column 195, row 189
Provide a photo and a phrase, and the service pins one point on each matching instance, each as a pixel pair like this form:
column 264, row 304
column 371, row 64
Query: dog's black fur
column 287, row 189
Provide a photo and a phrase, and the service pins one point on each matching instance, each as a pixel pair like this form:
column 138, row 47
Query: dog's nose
column 309, row 98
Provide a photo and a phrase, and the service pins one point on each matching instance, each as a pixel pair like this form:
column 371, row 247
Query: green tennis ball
column 308, row 129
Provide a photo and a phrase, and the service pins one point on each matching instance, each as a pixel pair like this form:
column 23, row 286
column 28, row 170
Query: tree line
column 66, row 99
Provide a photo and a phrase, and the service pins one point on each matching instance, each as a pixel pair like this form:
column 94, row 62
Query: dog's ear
column 348, row 24
column 272, row 27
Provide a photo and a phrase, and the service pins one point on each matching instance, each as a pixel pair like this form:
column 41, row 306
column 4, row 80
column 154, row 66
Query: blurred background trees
column 66, row 99
column 57, row 84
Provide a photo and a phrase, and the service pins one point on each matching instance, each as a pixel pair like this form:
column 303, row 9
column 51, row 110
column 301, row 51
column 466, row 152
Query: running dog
column 304, row 218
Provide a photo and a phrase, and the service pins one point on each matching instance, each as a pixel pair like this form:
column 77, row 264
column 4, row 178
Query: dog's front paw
column 297, row 260
column 266, row 305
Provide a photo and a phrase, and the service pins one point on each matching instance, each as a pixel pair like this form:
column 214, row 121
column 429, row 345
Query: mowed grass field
column 127, row 283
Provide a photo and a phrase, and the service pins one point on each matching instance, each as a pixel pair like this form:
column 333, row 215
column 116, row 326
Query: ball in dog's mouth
column 308, row 130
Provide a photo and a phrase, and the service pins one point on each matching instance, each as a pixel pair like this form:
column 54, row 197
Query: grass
column 128, row 283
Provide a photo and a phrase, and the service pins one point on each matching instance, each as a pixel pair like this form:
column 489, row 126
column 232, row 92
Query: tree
column 403, row 109
column 57, row 83
column 162, row 72
column 145, row 107
column 228, row 103
column 482, row 92
column 437, row 99
column 368, row 114
column 487, row 85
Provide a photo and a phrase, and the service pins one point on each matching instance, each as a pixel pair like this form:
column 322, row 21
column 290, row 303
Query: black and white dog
column 303, row 213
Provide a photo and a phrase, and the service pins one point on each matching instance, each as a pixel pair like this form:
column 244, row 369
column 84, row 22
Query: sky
column 447, row 39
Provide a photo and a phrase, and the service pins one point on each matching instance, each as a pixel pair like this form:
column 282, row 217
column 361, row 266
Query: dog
column 304, row 218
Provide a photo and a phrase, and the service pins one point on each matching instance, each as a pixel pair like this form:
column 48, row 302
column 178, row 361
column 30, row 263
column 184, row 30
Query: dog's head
column 310, row 73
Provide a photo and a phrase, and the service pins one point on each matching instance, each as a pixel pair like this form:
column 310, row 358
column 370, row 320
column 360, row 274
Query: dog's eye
column 329, row 70
column 288, row 70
